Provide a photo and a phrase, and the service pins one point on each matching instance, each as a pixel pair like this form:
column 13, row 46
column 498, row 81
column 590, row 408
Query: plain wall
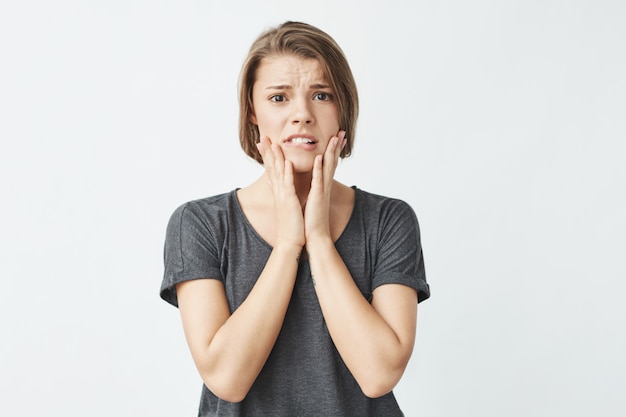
column 501, row 122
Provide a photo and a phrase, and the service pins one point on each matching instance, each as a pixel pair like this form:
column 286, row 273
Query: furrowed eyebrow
column 288, row 87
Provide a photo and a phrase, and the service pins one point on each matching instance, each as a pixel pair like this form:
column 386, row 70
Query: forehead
column 290, row 69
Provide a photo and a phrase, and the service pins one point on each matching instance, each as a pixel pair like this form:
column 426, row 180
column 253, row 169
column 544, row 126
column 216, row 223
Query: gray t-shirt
column 304, row 374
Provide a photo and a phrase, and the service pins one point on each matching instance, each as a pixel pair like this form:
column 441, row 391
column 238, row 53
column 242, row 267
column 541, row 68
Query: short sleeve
column 190, row 251
column 399, row 253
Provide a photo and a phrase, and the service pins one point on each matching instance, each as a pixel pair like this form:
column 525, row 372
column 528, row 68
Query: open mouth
column 302, row 140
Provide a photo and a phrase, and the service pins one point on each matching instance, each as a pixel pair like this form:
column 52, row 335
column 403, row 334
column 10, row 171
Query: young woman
column 298, row 294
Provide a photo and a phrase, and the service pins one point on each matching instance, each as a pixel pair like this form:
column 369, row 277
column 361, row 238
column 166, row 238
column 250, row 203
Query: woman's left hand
column 317, row 209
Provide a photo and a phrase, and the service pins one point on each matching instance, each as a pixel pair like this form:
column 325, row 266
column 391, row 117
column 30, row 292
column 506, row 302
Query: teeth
column 301, row 140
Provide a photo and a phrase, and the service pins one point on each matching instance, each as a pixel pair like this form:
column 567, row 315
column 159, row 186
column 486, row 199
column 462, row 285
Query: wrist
column 315, row 235
column 319, row 243
column 288, row 249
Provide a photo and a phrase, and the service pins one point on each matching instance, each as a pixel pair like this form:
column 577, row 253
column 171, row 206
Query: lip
column 301, row 135
column 308, row 146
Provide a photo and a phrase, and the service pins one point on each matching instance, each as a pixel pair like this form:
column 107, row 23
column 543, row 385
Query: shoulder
column 382, row 206
column 203, row 214
column 216, row 202
column 208, row 206
column 388, row 217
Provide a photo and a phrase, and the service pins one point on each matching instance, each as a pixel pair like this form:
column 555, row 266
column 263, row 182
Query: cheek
column 336, row 121
column 336, row 117
column 267, row 126
column 269, row 120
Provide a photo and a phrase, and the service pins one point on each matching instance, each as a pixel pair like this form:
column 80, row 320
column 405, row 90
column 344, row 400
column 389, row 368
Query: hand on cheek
column 317, row 210
column 288, row 213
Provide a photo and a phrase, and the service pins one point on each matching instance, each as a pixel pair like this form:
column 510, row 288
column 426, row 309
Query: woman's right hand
column 287, row 208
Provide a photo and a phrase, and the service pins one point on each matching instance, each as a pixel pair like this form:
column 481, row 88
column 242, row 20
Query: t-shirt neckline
column 233, row 195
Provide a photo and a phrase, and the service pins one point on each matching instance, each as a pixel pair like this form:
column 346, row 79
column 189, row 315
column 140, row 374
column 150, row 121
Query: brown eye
column 323, row 97
column 278, row 98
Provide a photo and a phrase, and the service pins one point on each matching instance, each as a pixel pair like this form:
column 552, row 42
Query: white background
column 501, row 122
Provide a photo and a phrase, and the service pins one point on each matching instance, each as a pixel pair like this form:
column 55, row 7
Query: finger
column 341, row 143
column 260, row 148
column 288, row 177
column 267, row 159
column 331, row 157
column 263, row 146
column 317, row 182
column 279, row 160
column 329, row 152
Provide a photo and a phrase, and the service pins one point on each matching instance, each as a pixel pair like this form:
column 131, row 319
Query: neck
column 302, row 183
column 259, row 192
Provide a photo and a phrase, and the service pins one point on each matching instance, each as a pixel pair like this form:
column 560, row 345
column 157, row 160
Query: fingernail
column 342, row 134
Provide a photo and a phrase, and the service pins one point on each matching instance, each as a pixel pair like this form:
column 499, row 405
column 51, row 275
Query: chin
column 302, row 165
column 302, row 169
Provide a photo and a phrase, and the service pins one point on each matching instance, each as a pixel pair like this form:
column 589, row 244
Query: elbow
column 376, row 390
column 374, row 393
column 231, row 396
column 376, row 386
column 227, row 389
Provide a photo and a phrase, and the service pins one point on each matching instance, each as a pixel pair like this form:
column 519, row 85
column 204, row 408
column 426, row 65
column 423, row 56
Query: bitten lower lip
column 301, row 141
column 301, row 138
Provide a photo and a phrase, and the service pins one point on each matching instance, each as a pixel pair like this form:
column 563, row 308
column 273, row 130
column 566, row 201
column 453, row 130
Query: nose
column 302, row 113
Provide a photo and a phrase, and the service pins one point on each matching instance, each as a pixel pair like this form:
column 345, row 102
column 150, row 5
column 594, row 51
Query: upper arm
column 397, row 305
column 192, row 250
column 399, row 257
column 204, row 309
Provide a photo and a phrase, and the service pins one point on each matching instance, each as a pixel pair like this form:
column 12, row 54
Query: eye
column 323, row 96
column 278, row 98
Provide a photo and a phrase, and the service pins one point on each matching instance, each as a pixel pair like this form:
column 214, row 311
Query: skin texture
column 296, row 205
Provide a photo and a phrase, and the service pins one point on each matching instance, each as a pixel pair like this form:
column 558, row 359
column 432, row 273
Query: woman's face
column 295, row 107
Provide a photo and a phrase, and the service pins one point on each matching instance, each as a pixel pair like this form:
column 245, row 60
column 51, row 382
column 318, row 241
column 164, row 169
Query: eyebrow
column 288, row 87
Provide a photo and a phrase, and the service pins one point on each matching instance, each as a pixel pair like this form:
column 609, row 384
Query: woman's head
column 303, row 41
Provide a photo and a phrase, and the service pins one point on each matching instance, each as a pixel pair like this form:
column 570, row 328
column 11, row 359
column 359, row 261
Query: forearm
column 375, row 353
column 230, row 360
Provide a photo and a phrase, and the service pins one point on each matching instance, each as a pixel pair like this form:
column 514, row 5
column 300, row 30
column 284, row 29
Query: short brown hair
column 306, row 41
